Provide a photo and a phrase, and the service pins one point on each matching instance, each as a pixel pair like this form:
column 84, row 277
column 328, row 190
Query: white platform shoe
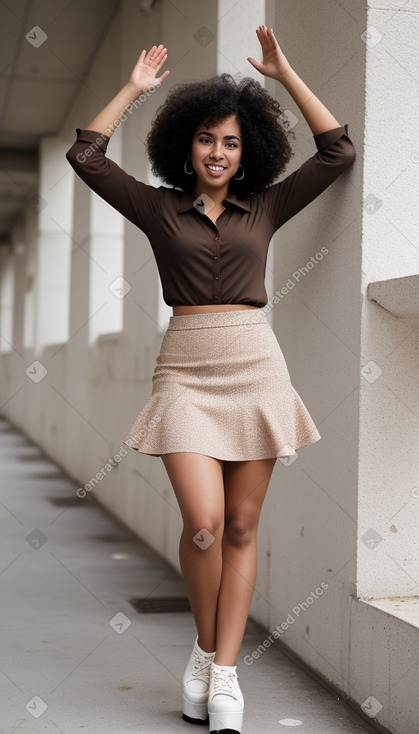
column 196, row 680
column 225, row 700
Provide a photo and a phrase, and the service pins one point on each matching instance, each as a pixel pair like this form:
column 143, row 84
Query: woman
column 222, row 408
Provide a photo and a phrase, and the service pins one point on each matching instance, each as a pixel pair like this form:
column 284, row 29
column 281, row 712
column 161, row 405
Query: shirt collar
column 187, row 199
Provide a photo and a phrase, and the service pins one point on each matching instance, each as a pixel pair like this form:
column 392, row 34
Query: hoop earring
column 240, row 177
column 184, row 167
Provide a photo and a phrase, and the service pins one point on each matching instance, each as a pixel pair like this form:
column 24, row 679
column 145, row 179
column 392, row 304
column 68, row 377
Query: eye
column 234, row 145
column 204, row 140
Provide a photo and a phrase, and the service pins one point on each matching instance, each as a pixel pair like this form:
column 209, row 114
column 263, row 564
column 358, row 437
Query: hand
column 274, row 63
column 143, row 75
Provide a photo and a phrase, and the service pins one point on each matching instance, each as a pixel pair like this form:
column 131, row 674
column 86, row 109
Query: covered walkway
column 77, row 656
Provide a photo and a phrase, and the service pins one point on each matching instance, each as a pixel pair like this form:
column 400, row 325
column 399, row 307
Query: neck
column 216, row 194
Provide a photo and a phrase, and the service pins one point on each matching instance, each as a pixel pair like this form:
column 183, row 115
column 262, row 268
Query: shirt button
column 216, row 298
column 216, row 277
column 215, row 257
column 216, row 237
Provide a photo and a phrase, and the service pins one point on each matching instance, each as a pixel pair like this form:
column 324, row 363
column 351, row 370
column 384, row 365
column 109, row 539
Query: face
column 216, row 152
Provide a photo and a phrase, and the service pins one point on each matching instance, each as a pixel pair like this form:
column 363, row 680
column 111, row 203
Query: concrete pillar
column 31, row 237
column 312, row 506
column 106, row 288
column 76, row 399
column 19, row 255
column 54, row 247
column 6, row 299
column 388, row 504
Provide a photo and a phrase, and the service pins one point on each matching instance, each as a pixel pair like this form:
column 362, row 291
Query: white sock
column 225, row 667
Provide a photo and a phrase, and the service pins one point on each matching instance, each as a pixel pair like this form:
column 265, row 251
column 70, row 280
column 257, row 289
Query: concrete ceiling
column 39, row 79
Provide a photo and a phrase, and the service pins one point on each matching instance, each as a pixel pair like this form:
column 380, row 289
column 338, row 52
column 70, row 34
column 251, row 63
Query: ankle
column 224, row 662
column 207, row 649
column 217, row 666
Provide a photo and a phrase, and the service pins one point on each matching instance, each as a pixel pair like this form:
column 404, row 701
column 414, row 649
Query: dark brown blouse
column 200, row 262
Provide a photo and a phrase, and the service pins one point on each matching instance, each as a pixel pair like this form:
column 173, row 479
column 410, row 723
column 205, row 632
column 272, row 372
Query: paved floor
column 76, row 656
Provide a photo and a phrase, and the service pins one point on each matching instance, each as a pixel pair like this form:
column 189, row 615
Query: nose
column 216, row 151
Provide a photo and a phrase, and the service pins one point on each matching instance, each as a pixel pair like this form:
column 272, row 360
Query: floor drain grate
column 162, row 604
column 32, row 457
column 45, row 475
column 114, row 538
column 69, row 501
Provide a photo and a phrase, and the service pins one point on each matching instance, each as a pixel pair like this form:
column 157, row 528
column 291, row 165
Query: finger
column 161, row 55
column 163, row 76
column 150, row 55
column 159, row 50
column 268, row 37
column 263, row 39
column 258, row 66
column 156, row 52
column 271, row 38
column 159, row 60
column 160, row 63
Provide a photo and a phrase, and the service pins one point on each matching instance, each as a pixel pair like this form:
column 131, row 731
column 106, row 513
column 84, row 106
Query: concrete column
column 106, row 288
column 388, row 504
column 313, row 510
column 19, row 255
column 76, row 397
column 6, row 300
column 53, row 251
column 106, row 228
column 31, row 237
column 236, row 22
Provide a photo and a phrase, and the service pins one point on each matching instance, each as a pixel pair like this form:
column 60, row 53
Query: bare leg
column 245, row 485
column 197, row 481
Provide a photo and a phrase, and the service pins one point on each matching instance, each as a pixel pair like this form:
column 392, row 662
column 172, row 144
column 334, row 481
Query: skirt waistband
column 217, row 318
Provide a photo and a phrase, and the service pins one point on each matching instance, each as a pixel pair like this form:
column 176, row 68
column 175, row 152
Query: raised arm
column 276, row 66
column 136, row 201
column 142, row 79
column 335, row 150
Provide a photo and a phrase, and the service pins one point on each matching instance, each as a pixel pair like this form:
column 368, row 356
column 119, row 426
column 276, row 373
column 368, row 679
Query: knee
column 240, row 531
column 203, row 528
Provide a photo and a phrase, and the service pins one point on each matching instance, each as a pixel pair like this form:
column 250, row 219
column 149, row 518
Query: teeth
column 216, row 168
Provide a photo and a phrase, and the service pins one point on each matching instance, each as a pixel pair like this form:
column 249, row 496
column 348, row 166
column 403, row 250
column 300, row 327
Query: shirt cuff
column 330, row 136
column 91, row 136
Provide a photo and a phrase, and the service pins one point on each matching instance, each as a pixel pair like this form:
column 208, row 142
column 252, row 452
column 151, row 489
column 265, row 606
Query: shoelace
column 201, row 666
column 223, row 682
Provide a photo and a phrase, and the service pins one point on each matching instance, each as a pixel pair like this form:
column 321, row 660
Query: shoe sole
column 226, row 722
column 190, row 720
column 194, row 713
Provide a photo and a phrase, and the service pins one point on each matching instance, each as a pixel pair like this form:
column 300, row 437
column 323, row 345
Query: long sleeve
column 335, row 153
column 135, row 200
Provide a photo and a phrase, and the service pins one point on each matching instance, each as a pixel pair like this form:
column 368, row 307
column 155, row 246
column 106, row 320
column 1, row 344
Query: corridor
column 77, row 656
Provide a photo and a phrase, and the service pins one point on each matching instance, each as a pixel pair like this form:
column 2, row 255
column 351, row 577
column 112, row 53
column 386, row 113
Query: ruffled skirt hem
column 221, row 387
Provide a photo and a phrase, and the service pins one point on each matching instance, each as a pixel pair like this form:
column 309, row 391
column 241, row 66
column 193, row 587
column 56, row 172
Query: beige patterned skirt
column 221, row 387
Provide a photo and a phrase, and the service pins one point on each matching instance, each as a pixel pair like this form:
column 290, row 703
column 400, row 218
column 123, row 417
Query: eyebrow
column 226, row 137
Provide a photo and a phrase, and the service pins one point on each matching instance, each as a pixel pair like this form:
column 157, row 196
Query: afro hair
column 266, row 147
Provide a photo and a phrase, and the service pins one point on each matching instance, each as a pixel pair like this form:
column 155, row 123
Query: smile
column 214, row 170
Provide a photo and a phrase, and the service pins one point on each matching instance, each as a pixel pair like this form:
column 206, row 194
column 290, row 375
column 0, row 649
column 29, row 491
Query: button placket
column 216, row 270
column 216, row 257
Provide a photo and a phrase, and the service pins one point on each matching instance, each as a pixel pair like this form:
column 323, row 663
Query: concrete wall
column 336, row 539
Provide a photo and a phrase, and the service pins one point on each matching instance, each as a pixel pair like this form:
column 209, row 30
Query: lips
column 214, row 169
